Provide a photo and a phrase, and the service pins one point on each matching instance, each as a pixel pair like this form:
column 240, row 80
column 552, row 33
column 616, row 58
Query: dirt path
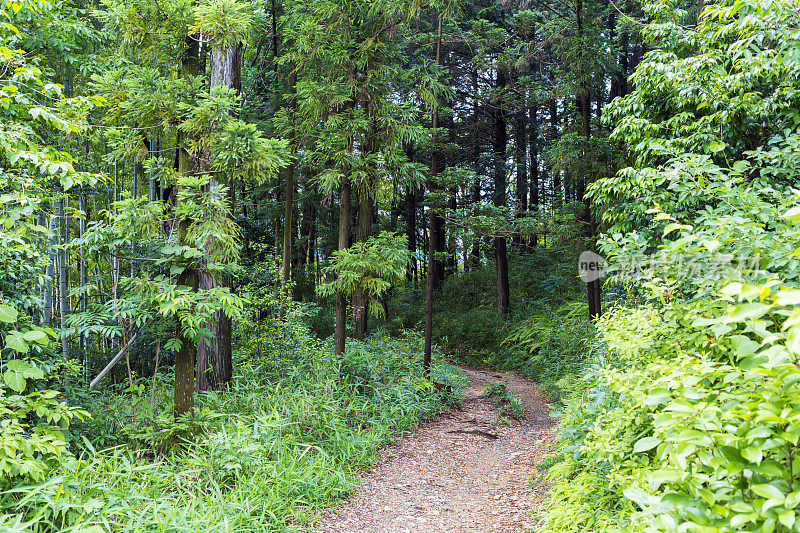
column 451, row 476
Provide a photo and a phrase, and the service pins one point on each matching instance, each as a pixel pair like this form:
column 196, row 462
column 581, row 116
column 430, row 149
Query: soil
column 465, row 472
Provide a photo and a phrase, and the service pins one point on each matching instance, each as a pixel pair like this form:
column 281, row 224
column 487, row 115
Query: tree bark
column 304, row 284
column 340, row 333
column 82, row 282
column 411, row 200
column 534, row 151
column 593, row 287
column 215, row 357
column 288, row 207
column 63, row 272
column 500, row 145
column 558, row 193
column 185, row 359
column 50, row 273
column 363, row 230
column 521, row 161
column 475, row 253
column 432, row 233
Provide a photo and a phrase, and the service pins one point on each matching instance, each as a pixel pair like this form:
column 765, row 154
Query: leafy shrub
column 290, row 435
column 552, row 347
column 699, row 421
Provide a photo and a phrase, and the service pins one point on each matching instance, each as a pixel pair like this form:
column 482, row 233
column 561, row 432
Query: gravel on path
column 451, row 475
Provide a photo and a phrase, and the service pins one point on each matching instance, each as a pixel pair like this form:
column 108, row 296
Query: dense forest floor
column 467, row 471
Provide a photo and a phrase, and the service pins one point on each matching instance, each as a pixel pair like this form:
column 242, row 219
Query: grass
column 510, row 404
column 289, row 437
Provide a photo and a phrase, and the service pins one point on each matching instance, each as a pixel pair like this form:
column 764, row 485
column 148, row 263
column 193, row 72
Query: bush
column 290, row 435
column 552, row 347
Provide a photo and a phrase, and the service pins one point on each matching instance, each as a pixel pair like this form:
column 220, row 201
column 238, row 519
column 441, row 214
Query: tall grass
column 288, row 437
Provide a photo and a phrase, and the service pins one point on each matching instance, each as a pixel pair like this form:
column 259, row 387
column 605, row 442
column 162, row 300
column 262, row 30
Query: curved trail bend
column 451, row 475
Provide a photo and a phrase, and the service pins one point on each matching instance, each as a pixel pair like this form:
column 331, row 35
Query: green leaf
column 646, row 443
column 765, row 490
column 8, row 314
column 731, row 453
column 788, row 297
column 25, row 369
column 669, row 228
column 658, row 477
column 657, row 397
column 16, row 342
column 752, row 454
column 748, row 311
column 34, row 335
column 787, row 518
column 15, row 381
column 716, row 146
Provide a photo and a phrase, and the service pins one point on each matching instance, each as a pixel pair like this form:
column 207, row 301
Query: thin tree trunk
column 593, row 295
column 475, row 255
column 534, row 151
column 363, row 230
column 135, row 180
column 558, row 195
column 82, row 283
column 521, row 160
column 50, row 273
column 341, row 298
column 305, row 253
column 288, row 207
column 411, row 213
column 63, row 271
column 185, row 359
column 432, row 233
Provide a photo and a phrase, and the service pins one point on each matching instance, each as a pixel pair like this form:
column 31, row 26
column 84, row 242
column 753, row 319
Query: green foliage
column 372, row 266
column 688, row 418
column 225, row 23
column 33, row 429
column 749, row 50
column 510, row 405
column 552, row 347
column 291, row 434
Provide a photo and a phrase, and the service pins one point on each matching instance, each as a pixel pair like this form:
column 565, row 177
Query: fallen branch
column 113, row 362
column 476, row 431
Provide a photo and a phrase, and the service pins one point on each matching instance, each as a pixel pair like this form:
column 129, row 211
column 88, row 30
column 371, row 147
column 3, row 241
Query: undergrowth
column 289, row 436
column 510, row 404
column 547, row 336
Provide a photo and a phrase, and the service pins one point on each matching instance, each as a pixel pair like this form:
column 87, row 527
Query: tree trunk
column 82, row 282
column 593, row 287
column 341, row 298
column 186, row 357
column 558, row 194
column 63, row 271
column 288, row 207
column 500, row 145
column 432, row 233
column 475, row 253
column 50, row 273
column 520, row 159
column 534, row 150
column 411, row 199
column 304, row 284
column 214, row 357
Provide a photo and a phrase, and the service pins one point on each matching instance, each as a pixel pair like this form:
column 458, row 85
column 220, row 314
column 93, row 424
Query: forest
column 250, row 247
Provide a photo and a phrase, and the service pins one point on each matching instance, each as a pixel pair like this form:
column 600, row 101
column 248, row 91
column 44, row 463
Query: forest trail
column 451, row 475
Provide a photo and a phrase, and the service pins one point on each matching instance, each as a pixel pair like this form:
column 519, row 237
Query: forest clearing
column 373, row 265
